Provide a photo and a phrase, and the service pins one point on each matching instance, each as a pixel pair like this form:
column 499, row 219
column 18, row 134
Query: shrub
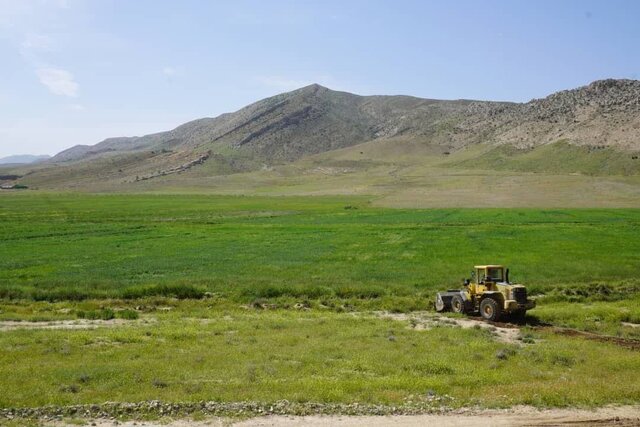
column 103, row 314
column 430, row 368
column 294, row 291
column 12, row 293
column 171, row 291
column 71, row 388
column 159, row 383
column 128, row 314
column 107, row 314
column 505, row 353
column 562, row 360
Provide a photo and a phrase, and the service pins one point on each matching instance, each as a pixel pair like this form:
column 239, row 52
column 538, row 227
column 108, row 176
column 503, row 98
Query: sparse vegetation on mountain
column 598, row 125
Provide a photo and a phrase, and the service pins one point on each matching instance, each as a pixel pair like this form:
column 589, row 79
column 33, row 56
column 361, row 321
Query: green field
column 201, row 351
column 82, row 246
column 234, row 298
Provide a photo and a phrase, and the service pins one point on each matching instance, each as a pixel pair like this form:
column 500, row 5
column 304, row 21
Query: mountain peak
column 612, row 83
column 315, row 86
column 312, row 89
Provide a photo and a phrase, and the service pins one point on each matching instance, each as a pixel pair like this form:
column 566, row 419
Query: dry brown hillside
column 601, row 118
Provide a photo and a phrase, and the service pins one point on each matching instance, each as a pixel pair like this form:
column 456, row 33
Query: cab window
column 494, row 274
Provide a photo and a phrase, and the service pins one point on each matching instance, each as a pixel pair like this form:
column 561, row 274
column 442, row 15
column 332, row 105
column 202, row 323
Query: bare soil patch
column 505, row 332
column 631, row 325
column 424, row 320
column 625, row 416
column 631, row 344
column 11, row 325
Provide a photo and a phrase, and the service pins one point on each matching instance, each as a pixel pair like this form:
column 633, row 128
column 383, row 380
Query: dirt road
column 519, row 416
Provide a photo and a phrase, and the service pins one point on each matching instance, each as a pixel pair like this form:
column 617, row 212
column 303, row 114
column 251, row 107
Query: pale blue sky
column 78, row 71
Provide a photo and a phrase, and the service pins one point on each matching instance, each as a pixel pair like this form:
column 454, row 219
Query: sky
column 79, row 71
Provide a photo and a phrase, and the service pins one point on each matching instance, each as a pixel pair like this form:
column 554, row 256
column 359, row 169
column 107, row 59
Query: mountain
column 23, row 159
column 316, row 119
column 593, row 130
column 306, row 121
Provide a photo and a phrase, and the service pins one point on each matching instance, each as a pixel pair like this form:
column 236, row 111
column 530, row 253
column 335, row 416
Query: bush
column 171, row 291
column 103, row 314
column 294, row 291
column 128, row 314
column 71, row 388
column 107, row 314
column 12, row 293
column 505, row 353
column 430, row 368
column 159, row 383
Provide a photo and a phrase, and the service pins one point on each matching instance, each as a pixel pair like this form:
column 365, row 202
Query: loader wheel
column 457, row 304
column 490, row 309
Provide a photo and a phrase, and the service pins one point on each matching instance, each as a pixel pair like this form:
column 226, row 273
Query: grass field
column 236, row 298
column 81, row 246
column 398, row 172
column 200, row 351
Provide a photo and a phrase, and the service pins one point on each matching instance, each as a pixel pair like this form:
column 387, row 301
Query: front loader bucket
column 443, row 300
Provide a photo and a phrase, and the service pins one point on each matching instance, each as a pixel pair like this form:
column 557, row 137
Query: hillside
column 306, row 121
column 286, row 141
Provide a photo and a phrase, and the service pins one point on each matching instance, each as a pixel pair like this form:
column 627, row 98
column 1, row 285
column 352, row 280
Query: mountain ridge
column 368, row 108
column 375, row 116
column 290, row 127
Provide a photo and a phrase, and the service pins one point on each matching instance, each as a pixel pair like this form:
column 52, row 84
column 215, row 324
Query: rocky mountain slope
column 306, row 121
column 604, row 115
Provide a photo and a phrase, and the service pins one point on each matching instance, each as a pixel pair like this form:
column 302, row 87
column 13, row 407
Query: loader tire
column 490, row 309
column 457, row 304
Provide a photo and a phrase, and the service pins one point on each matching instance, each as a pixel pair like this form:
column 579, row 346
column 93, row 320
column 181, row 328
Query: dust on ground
column 624, row 416
column 424, row 320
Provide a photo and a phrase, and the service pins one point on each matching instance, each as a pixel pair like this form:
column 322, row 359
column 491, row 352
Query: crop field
column 186, row 298
column 57, row 247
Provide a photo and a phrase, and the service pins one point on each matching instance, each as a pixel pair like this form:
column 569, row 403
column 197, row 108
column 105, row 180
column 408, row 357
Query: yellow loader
column 488, row 292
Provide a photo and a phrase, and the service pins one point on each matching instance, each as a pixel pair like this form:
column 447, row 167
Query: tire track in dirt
column 505, row 331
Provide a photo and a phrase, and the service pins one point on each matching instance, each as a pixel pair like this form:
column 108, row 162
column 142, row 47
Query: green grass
column 603, row 317
column 234, row 298
column 73, row 247
column 197, row 351
column 560, row 157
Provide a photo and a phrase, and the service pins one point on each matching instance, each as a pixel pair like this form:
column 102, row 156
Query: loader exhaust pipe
column 506, row 276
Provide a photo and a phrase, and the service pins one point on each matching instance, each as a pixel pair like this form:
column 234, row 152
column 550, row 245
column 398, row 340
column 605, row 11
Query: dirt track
column 505, row 332
column 518, row 416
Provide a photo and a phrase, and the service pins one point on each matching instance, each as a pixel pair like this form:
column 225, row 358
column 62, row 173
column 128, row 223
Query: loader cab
column 484, row 277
